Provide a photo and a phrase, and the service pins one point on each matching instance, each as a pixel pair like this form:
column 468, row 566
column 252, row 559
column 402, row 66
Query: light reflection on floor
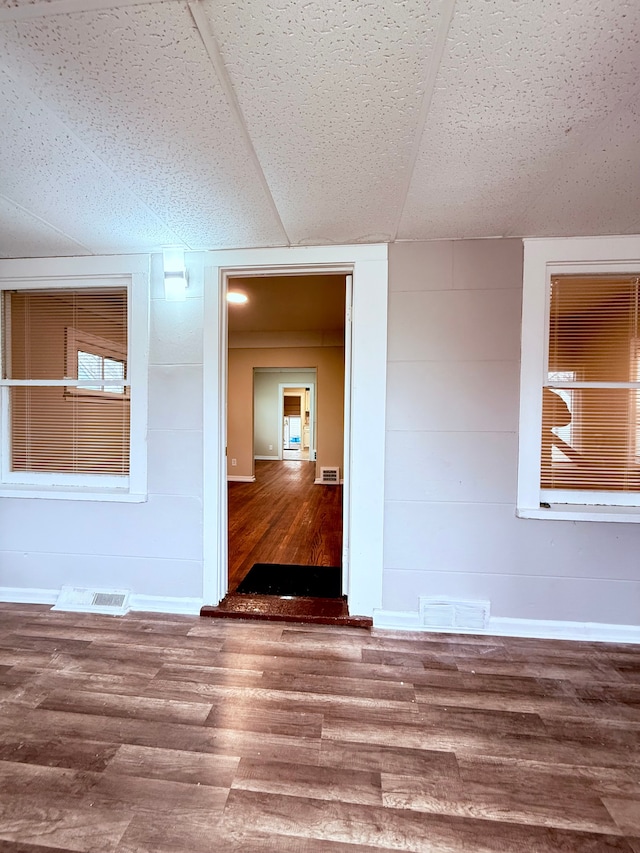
column 295, row 454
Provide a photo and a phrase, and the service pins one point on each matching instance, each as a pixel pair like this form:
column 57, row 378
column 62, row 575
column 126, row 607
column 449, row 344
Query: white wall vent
column 329, row 476
column 453, row 613
column 114, row 602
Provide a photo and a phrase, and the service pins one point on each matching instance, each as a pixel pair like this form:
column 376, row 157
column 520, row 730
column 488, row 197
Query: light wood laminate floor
column 183, row 735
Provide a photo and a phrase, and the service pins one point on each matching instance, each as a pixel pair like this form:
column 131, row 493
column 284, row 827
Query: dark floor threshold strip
column 318, row 611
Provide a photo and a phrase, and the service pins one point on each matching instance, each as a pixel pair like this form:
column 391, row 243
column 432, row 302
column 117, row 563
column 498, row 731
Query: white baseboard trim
column 143, row 603
column 500, row 626
column 320, row 482
column 397, row 620
column 27, row 595
column 240, row 478
column 162, row 604
column 268, row 458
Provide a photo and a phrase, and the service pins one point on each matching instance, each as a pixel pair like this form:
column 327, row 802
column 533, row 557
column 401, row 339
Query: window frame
column 544, row 258
column 131, row 272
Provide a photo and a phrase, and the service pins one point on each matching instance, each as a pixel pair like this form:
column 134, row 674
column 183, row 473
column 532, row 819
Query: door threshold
column 275, row 608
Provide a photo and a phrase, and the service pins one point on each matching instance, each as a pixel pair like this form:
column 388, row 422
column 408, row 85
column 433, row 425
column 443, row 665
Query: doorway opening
column 365, row 401
column 295, row 438
column 285, row 419
column 297, row 434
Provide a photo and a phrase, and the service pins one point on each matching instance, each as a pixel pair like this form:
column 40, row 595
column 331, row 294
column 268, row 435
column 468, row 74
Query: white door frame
column 365, row 393
column 282, row 387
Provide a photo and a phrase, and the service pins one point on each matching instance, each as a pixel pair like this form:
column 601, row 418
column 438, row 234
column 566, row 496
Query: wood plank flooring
column 184, row 735
column 283, row 518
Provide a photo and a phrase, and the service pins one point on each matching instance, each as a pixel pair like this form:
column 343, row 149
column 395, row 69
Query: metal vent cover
column 108, row 599
column 453, row 613
column 80, row 600
column 330, row 476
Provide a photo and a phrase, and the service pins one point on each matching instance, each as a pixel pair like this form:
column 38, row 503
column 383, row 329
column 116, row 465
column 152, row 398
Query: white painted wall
column 451, row 453
column 153, row 548
column 450, row 478
column 156, row 547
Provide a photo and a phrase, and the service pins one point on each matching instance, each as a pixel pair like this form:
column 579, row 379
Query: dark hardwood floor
column 283, row 518
column 185, row 735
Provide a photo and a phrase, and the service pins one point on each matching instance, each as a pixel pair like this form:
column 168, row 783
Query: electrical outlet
column 234, row 461
column 271, row 447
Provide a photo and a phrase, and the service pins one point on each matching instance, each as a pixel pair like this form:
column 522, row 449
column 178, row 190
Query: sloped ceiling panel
column 330, row 93
column 523, row 88
column 599, row 190
column 18, row 4
column 234, row 123
column 24, row 236
column 136, row 87
column 60, row 180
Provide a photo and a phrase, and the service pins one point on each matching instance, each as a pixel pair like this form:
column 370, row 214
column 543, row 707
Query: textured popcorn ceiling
column 129, row 126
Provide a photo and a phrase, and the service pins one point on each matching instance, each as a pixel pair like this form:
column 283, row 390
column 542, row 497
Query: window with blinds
column 66, row 381
column 591, row 389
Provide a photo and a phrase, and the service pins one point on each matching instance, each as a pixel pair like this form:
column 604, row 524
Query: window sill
column 582, row 512
column 70, row 494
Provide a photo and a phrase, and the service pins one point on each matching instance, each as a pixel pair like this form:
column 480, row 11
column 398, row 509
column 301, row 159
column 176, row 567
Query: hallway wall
column 327, row 361
column 266, row 408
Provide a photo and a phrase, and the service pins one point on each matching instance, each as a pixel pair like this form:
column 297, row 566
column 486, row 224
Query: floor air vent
column 329, row 476
column 452, row 613
column 114, row 602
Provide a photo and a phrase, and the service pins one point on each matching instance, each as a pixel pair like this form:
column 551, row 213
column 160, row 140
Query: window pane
column 593, row 324
column 591, row 443
column 89, row 367
column 563, row 430
column 51, row 431
column 36, row 324
column 113, row 369
column 67, row 335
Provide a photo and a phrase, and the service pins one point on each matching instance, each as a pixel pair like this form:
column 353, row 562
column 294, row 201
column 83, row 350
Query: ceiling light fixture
column 237, row 298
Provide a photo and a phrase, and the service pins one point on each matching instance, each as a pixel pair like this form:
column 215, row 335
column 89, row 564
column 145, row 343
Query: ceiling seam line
column 93, row 156
column 582, row 140
column 213, row 50
column 45, row 222
column 446, row 16
column 15, row 14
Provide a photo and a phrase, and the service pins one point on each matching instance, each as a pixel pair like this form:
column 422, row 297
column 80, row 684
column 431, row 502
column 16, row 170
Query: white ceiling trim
column 446, row 16
column 30, row 11
column 211, row 46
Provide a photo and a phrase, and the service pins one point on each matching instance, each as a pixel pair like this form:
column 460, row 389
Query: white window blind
column 591, row 392
column 65, row 364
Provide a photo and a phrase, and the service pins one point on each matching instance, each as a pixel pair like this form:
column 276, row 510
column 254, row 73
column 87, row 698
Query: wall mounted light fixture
column 175, row 275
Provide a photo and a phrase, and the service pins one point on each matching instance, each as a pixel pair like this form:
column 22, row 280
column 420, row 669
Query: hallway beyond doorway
column 283, row 517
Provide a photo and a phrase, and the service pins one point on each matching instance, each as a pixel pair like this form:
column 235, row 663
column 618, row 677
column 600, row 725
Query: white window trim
column 49, row 273
column 542, row 259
